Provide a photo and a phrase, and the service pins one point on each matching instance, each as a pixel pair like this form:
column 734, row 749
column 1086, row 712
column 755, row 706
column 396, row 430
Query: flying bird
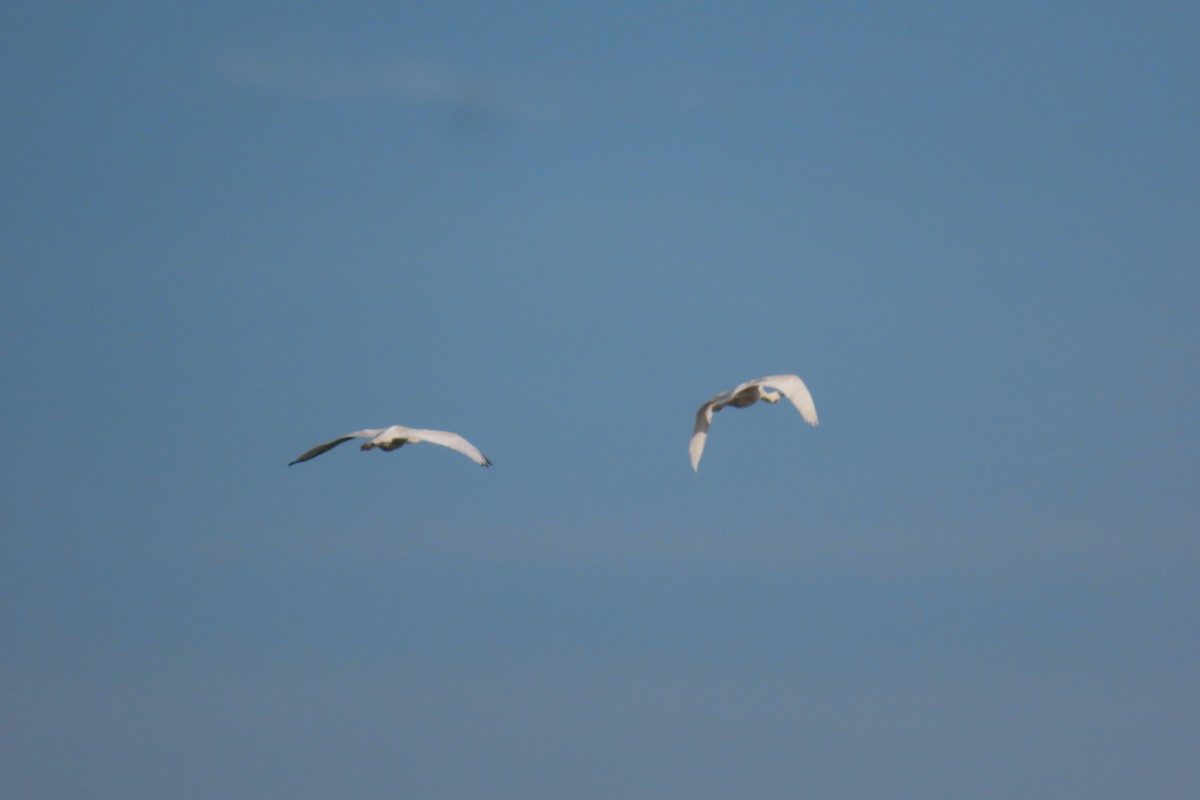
column 747, row 394
column 389, row 439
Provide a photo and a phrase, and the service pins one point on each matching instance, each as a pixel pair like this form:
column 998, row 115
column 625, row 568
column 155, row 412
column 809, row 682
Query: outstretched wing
column 321, row 448
column 791, row 387
column 451, row 440
column 700, row 433
column 704, row 421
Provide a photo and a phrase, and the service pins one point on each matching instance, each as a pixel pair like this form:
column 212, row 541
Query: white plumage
column 388, row 439
column 747, row 394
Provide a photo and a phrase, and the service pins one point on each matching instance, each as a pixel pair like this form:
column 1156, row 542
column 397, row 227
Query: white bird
column 389, row 439
column 747, row 394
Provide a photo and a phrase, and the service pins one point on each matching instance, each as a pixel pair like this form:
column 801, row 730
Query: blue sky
column 232, row 231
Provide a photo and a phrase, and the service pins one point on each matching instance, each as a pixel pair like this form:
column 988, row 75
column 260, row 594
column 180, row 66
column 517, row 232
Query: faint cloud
column 540, row 96
column 407, row 80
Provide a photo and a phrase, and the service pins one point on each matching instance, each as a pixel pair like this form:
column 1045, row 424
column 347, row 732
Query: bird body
column 747, row 394
column 396, row 436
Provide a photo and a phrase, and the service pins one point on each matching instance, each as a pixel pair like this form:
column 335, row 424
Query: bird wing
column 321, row 448
column 451, row 440
column 791, row 387
column 700, row 433
column 704, row 420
